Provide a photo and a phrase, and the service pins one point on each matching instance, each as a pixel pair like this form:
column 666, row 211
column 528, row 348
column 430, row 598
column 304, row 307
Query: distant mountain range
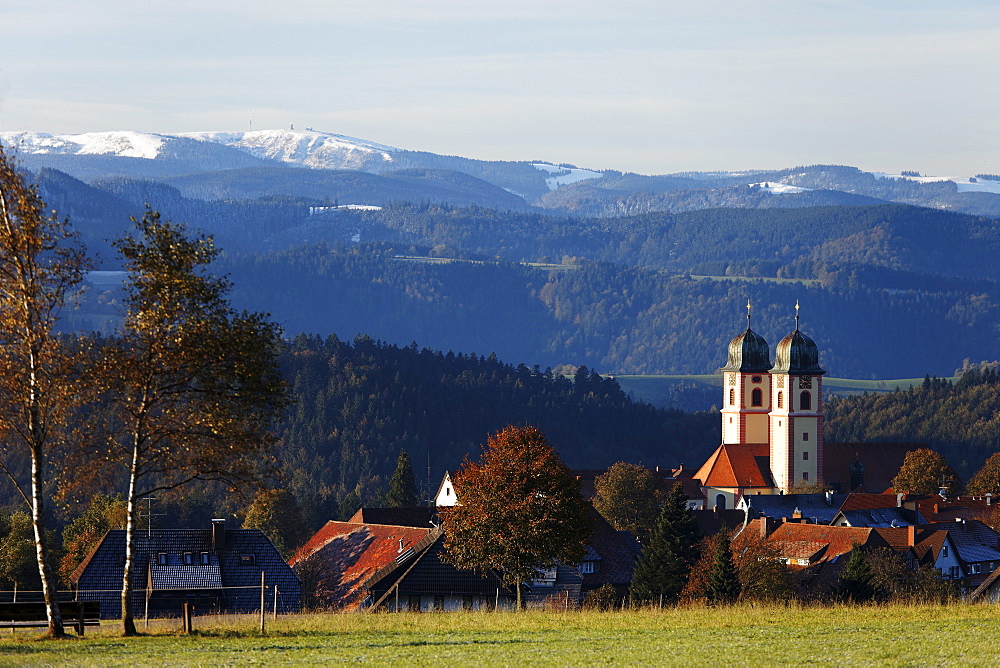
column 219, row 165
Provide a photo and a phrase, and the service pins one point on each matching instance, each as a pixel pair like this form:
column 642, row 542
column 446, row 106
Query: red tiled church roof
column 737, row 465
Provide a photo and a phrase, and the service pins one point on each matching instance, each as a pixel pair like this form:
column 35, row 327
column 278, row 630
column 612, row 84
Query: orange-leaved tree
column 926, row 472
column 519, row 510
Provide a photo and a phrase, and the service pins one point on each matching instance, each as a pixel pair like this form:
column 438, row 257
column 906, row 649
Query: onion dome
column 797, row 353
column 749, row 352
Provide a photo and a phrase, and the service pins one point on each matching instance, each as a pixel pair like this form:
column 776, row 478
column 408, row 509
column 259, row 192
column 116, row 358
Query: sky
column 651, row 87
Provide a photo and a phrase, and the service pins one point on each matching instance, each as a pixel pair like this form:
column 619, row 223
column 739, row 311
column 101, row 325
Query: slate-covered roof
column 99, row 576
column 616, row 553
column 748, row 353
column 342, row 556
column 973, row 540
column 879, row 517
column 818, row 508
column 737, row 465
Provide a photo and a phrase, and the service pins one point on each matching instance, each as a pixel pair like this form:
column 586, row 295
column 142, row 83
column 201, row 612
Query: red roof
column 936, row 509
column 819, row 543
column 737, row 465
column 863, row 501
column 341, row 557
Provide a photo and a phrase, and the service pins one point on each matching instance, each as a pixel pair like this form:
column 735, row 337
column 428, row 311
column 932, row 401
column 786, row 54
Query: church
column 772, row 428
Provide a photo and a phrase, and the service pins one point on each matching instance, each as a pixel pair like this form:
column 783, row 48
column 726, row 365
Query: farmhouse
column 216, row 570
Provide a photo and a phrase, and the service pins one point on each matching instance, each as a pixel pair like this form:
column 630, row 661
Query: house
column 924, row 546
column 216, row 569
column 801, row 545
column 336, row 564
column 878, row 517
column 773, row 428
column 610, row 559
column 977, row 547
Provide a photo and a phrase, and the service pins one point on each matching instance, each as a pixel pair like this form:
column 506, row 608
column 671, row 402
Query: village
column 773, row 488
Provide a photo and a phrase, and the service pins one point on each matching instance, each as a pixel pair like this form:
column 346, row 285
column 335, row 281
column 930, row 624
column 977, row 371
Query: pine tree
column 403, row 484
column 669, row 553
column 856, row 580
column 723, row 580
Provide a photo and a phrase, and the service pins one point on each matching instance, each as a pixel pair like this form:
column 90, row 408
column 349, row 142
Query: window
column 248, row 559
column 805, row 436
column 755, row 379
column 805, row 455
column 204, row 558
column 977, row 568
column 587, row 567
column 953, row 571
column 805, row 475
column 781, row 399
column 187, row 559
column 161, row 558
column 756, row 397
column 944, row 551
column 732, row 397
column 805, row 401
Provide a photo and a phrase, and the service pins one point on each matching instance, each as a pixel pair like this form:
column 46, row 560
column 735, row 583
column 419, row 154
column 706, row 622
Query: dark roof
column 712, row 521
column 880, row 517
column 748, row 353
column 815, row 507
column 616, row 552
column 99, row 576
column 797, row 353
column 881, row 463
column 865, row 501
column 973, row 540
column 415, row 516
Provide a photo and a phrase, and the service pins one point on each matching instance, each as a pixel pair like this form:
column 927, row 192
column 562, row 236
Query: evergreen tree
column 402, row 485
column 723, row 580
column 856, row 580
column 669, row 553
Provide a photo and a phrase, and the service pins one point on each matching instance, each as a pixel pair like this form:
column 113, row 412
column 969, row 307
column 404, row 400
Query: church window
column 732, row 397
column 805, row 456
column 805, row 401
column 781, row 399
column 805, row 475
column 756, row 397
column 805, row 436
column 755, row 379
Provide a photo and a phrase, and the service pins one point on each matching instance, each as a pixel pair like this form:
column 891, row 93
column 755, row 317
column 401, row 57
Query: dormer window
column 204, row 558
column 188, row 559
column 161, row 558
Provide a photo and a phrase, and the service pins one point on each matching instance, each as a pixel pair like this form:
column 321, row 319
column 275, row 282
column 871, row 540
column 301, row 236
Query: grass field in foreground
column 741, row 635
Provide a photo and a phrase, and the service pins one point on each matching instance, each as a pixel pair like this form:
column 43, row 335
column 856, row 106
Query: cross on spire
column 748, row 313
column 796, row 315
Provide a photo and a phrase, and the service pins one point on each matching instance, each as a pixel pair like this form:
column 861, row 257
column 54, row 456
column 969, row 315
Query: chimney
column 796, row 514
column 989, row 498
column 219, row 535
column 899, row 499
column 937, row 509
column 911, row 535
column 829, row 497
column 767, row 526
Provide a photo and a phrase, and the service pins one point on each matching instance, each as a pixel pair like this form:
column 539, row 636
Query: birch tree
column 41, row 262
column 194, row 385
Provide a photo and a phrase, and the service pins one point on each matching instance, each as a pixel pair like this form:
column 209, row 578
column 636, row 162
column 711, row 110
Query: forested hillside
column 959, row 420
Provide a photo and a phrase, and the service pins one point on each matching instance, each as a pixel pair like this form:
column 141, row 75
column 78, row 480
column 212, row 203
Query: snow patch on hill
column 121, row 143
column 321, row 150
column 565, row 175
column 780, row 188
column 964, row 184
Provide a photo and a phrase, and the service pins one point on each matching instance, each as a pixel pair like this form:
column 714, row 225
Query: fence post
column 187, row 618
column 146, row 615
column 275, row 615
column 262, row 601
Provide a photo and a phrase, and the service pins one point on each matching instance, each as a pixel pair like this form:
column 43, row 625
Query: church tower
column 796, row 415
column 746, row 389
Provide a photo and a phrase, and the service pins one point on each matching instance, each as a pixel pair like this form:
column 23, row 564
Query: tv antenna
column 150, row 514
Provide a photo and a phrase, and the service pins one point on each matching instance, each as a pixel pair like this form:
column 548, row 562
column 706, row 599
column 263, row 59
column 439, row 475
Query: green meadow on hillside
column 655, row 389
column 742, row 635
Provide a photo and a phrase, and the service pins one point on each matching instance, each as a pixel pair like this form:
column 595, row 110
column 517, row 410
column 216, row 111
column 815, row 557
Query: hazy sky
column 651, row 87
